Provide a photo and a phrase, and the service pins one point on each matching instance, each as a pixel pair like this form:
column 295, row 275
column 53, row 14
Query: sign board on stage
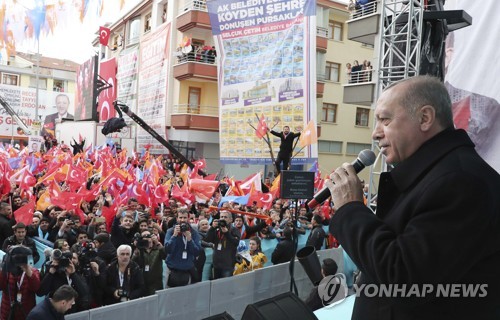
column 297, row 184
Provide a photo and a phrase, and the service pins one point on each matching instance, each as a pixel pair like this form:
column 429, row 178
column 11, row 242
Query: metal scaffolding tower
column 400, row 42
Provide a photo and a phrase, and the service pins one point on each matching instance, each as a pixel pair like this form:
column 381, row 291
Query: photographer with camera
column 226, row 240
column 92, row 269
column 124, row 279
column 19, row 281
column 182, row 246
column 19, row 238
column 105, row 248
column 69, row 230
column 62, row 271
column 149, row 255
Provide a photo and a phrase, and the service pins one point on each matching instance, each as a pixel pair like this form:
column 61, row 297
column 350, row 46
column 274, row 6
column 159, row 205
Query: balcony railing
column 195, row 56
column 196, row 109
column 200, row 5
column 322, row 32
column 360, row 10
column 320, row 76
column 360, row 76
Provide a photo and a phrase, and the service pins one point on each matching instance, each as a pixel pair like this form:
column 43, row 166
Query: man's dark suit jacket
column 50, row 120
column 286, row 146
column 437, row 222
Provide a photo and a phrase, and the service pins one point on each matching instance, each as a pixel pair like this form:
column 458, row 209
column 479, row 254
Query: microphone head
column 367, row 157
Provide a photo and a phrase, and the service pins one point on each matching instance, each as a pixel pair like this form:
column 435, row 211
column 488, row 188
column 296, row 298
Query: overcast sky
column 72, row 40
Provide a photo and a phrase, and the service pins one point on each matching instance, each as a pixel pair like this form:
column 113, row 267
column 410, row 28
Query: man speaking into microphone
column 434, row 243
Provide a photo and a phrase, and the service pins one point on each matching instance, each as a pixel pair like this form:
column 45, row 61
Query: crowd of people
column 111, row 246
column 359, row 73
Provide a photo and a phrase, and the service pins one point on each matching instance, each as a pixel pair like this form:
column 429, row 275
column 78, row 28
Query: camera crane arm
column 119, row 107
column 14, row 115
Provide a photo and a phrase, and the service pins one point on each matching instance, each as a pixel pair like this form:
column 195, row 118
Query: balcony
column 321, row 39
column 320, row 84
column 193, row 14
column 195, row 117
column 361, row 88
column 364, row 23
column 193, row 66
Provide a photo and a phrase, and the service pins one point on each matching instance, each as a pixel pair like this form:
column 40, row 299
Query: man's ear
column 427, row 117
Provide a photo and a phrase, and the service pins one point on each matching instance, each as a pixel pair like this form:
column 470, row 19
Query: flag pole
column 266, row 140
column 297, row 152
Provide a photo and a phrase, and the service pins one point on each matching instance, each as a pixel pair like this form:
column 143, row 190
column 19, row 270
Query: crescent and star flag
column 104, row 35
column 25, row 213
column 261, row 129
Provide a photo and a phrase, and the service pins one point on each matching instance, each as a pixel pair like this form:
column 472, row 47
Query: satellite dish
column 187, row 49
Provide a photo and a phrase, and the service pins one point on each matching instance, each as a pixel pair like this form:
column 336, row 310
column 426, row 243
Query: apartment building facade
column 192, row 112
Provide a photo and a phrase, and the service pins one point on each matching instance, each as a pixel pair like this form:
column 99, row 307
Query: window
column 335, row 30
column 10, row 79
column 356, row 148
column 330, row 147
column 147, row 23
column 332, row 71
column 362, row 115
column 164, row 14
column 197, row 42
column 188, row 149
column 42, row 83
column 59, row 85
column 329, row 113
column 194, row 100
column 133, row 31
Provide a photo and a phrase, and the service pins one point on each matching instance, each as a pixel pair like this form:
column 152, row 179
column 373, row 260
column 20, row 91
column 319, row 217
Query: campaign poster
column 154, row 55
column 267, row 65
column 53, row 107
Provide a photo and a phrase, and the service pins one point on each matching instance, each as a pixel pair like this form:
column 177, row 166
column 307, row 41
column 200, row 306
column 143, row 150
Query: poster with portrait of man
column 62, row 103
column 35, row 143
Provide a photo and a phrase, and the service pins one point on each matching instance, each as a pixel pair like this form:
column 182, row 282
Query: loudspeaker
column 281, row 307
column 309, row 260
column 220, row 316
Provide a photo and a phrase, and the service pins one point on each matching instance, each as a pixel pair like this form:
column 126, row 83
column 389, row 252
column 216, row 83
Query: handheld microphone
column 365, row 158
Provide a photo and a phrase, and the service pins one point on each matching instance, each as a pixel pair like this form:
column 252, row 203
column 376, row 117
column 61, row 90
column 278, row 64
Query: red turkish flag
column 262, row 200
column 25, row 213
column 104, row 35
column 261, row 129
column 105, row 107
column 203, row 189
column 27, row 181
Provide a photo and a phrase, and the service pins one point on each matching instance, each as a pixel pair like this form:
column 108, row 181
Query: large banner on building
column 267, row 65
column 105, row 108
column 52, row 107
column 472, row 76
column 86, row 76
column 152, row 95
column 126, row 78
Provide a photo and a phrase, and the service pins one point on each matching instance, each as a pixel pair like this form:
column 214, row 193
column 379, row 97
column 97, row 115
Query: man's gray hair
column 426, row 90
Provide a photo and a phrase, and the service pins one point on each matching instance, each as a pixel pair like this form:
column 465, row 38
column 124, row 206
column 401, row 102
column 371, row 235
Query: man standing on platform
column 286, row 147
